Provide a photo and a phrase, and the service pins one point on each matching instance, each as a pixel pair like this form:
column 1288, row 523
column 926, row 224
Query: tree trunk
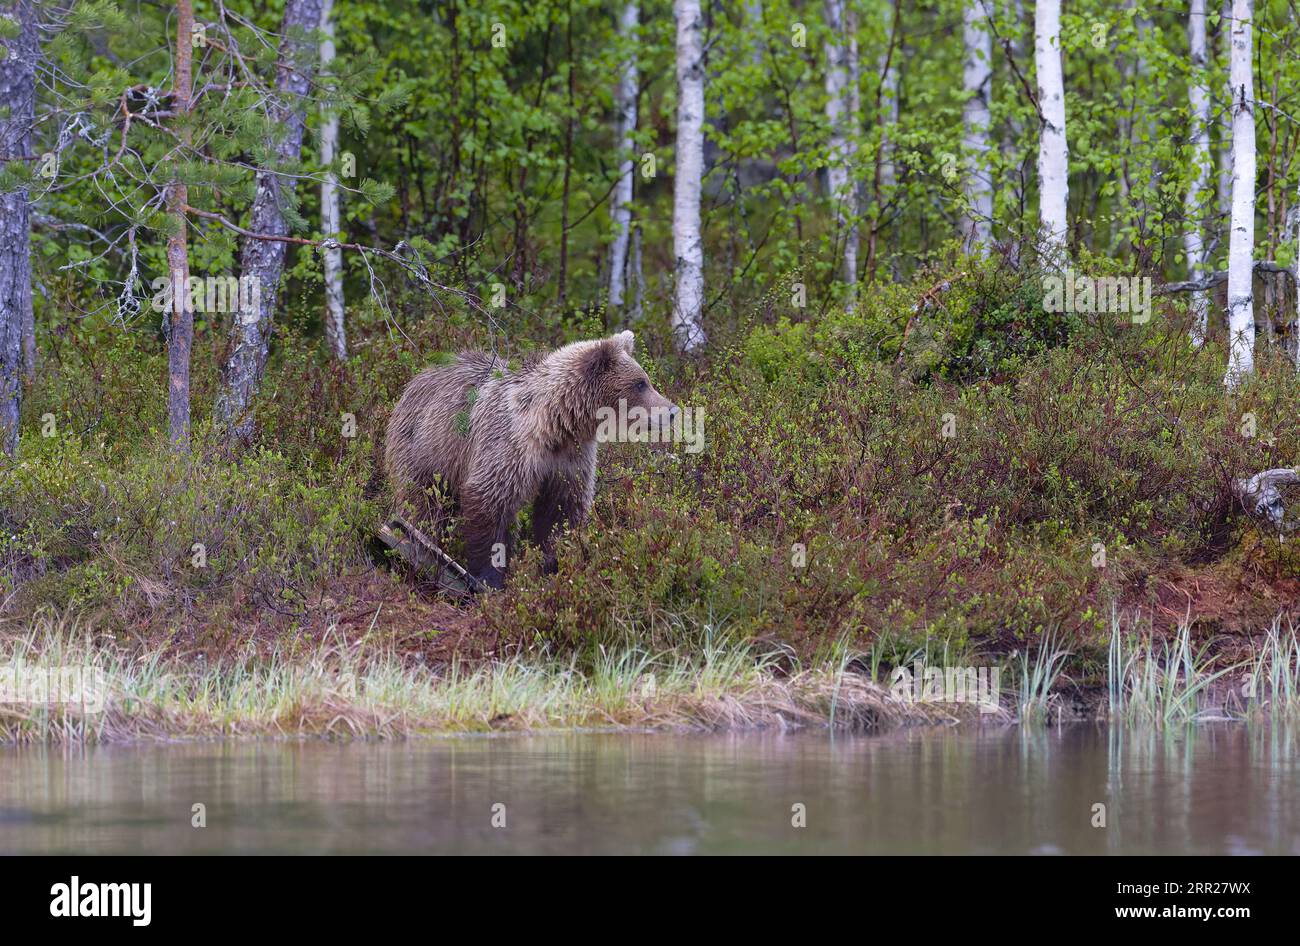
column 889, row 90
column 638, row 278
column 17, row 116
column 625, row 106
column 688, row 246
column 1013, row 140
column 180, row 317
column 842, row 119
column 331, row 223
column 977, row 78
column 1241, row 240
column 1293, row 235
column 264, row 259
column 1194, row 235
column 853, row 103
column 1133, row 76
column 1225, row 121
column 1053, row 154
column 754, row 30
column 563, row 278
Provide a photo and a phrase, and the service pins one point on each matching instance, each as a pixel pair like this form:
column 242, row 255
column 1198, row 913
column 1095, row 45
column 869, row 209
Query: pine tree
column 263, row 249
column 18, row 52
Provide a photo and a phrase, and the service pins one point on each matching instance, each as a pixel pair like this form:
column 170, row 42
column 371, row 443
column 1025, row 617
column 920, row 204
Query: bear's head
column 615, row 377
column 584, row 381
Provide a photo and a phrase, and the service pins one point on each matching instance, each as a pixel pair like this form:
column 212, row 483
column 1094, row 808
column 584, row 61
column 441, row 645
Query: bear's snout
column 661, row 409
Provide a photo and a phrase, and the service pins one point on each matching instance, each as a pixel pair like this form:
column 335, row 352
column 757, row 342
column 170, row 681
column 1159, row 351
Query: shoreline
column 479, row 703
column 519, row 698
column 61, row 684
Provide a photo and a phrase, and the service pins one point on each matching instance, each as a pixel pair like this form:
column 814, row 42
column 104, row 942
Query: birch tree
column 1014, row 145
column 1225, row 119
column 688, row 245
column 1293, row 232
column 331, row 223
column 1194, row 243
column 853, row 103
column 1053, row 154
column 262, row 253
column 841, row 72
column 180, row 317
column 888, row 93
column 976, row 81
column 1133, row 77
column 754, row 24
column 625, row 107
column 1241, row 239
column 638, row 278
column 18, row 51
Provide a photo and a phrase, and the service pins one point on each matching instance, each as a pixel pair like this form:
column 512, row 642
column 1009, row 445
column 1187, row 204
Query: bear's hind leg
column 488, row 538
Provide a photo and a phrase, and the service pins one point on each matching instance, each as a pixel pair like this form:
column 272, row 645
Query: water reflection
column 1213, row 789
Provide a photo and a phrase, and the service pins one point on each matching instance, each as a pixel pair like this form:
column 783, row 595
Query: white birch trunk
column 977, row 77
column 889, row 97
column 625, row 105
column 1241, row 240
column 1194, row 245
column 1053, row 154
column 841, row 118
column 854, row 103
column 331, row 223
column 1225, row 120
column 688, row 247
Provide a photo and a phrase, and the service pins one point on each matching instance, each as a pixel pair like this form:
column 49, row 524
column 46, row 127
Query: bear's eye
column 642, row 385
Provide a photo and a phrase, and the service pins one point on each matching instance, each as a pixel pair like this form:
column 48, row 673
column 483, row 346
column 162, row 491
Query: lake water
column 1217, row 789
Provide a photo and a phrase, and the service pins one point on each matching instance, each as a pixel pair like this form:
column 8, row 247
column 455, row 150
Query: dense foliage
column 937, row 457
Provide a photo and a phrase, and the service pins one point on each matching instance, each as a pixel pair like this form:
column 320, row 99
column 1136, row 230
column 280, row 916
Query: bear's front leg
column 487, row 530
column 564, row 497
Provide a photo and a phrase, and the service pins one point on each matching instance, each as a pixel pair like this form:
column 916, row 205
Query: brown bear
column 475, row 434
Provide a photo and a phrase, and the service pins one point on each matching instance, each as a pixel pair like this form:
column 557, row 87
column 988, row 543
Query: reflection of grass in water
column 350, row 690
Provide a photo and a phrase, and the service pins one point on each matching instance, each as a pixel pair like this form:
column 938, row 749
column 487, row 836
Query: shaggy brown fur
column 476, row 435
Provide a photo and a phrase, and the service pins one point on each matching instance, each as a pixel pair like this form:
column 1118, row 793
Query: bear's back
column 428, row 432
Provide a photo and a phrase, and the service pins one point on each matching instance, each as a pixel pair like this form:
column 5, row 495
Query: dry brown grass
column 344, row 690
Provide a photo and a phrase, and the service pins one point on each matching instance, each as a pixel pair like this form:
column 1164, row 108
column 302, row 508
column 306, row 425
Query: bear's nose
column 673, row 411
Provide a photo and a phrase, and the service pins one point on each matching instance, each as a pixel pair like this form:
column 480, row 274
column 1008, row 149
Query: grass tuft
column 350, row 690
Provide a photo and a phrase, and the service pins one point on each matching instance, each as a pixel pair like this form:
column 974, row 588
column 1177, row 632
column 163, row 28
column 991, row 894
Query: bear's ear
column 600, row 356
column 627, row 340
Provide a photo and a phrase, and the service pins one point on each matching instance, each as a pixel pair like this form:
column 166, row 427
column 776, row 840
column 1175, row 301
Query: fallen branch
column 924, row 303
column 1212, row 280
column 423, row 555
column 1261, row 496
